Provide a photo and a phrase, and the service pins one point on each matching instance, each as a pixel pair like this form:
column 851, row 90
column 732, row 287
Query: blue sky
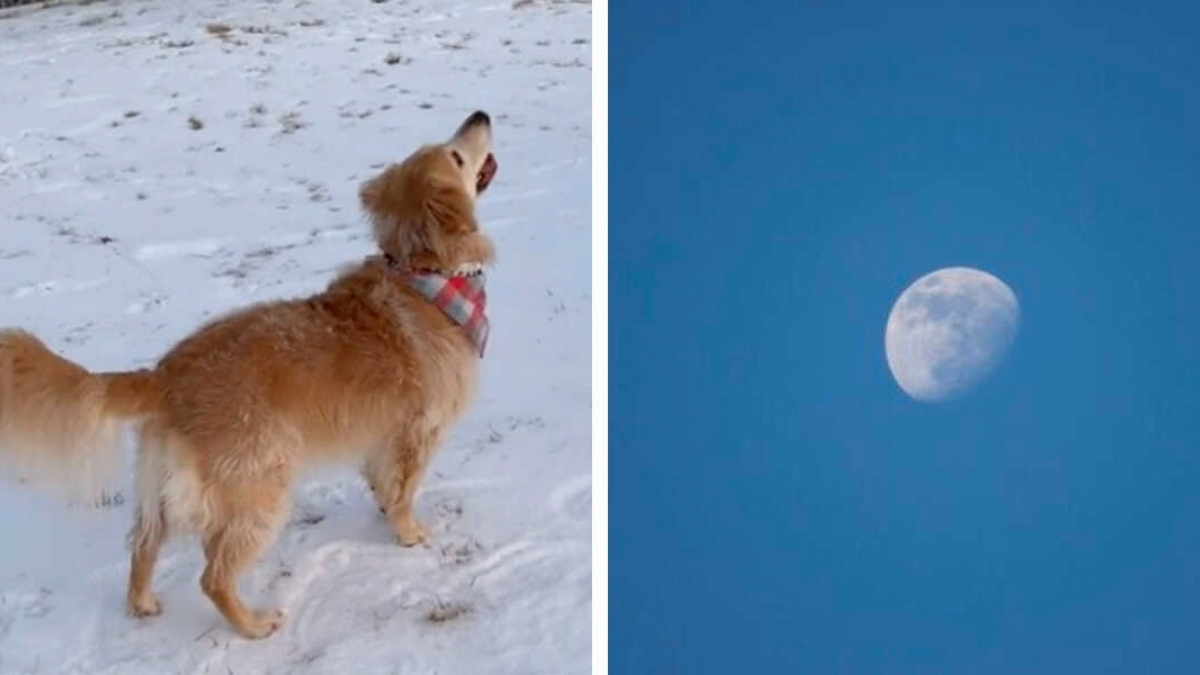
column 778, row 174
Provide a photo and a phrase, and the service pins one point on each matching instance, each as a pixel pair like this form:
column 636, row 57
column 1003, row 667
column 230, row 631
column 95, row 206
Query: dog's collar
column 464, row 270
column 459, row 293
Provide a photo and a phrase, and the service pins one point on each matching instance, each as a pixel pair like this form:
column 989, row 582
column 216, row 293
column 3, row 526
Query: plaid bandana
column 461, row 297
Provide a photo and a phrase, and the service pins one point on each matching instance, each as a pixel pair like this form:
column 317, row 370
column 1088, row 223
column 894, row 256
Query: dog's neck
column 467, row 269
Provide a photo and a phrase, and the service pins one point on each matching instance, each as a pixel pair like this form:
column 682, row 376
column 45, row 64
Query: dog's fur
column 366, row 369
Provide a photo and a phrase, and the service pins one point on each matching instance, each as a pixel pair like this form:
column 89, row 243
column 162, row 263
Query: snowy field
column 162, row 161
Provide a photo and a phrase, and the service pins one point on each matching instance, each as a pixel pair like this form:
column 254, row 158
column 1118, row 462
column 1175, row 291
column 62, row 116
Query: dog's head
column 423, row 209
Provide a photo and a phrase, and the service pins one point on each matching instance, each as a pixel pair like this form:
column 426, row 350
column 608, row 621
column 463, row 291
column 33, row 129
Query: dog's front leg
column 394, row 473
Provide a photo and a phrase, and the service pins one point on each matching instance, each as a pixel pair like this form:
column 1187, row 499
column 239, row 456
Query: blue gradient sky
column 779, row 173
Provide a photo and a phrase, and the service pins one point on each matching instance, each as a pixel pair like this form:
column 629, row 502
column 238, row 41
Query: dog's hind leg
column 253, row 514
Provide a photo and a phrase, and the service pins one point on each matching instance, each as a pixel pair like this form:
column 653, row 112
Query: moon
column 948, row 331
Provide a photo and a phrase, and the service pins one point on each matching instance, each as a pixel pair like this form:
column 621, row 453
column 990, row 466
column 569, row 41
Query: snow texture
column 164, row 161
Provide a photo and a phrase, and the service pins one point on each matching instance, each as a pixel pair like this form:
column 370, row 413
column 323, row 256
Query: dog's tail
column 60, row 424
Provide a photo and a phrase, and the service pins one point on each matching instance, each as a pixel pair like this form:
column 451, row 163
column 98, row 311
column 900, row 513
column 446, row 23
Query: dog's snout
column 478, row 117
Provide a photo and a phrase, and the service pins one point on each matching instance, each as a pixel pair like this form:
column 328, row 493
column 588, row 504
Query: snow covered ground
column 165, row 160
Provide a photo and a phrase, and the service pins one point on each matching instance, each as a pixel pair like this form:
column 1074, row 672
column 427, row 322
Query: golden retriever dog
column 376, row 367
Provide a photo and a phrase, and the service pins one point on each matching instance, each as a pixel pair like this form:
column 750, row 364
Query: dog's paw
column 411, row 534
column 262, row 624
column 144, row 606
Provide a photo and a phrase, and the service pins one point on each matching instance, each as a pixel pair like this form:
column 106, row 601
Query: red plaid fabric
column 461, row 297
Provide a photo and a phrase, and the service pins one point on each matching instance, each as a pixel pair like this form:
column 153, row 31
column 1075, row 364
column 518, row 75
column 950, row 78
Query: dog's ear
column 394, row 203
column 422, row 218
